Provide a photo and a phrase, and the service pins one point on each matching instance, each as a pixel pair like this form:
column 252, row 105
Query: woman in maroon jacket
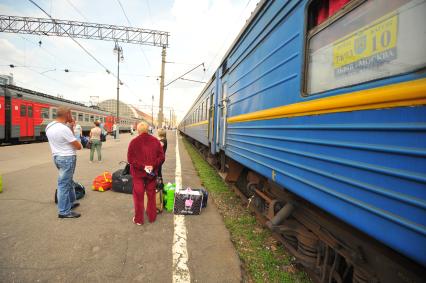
column 145, row 155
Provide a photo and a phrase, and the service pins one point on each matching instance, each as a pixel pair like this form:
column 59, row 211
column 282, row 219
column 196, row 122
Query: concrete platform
column 103, row 245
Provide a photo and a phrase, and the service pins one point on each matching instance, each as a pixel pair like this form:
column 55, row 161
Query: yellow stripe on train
column 198, row 124
column 402, row 94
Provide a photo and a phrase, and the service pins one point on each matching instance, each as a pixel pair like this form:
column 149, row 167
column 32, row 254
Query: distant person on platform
column 95, row 141
column 64, row 144
column 104, row 132
column 162, row 137
column 77, row 131
column 145, row 156
column 114, row 130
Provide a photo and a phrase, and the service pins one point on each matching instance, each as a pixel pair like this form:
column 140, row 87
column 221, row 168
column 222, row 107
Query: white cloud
column 201, row 31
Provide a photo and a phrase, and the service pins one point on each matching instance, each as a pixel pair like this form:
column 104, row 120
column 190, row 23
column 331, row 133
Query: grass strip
column 263, row 258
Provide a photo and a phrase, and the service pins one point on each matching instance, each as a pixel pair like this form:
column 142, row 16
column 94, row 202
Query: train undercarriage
column 327, row 248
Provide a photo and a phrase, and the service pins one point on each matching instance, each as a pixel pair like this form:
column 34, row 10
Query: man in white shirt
column 64, row 144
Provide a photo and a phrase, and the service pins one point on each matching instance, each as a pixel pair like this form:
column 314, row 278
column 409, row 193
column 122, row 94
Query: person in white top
column 96, row 142
column 64, row 144
column 114, row 130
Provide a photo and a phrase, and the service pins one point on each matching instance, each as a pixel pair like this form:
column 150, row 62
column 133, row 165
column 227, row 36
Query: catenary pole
column 163, row 66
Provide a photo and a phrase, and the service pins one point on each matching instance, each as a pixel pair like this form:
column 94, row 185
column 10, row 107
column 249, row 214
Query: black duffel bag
column 122, row 181
column 79, row 189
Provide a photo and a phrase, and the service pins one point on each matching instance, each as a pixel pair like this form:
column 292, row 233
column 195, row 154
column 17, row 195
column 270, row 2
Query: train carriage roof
column 46, row 98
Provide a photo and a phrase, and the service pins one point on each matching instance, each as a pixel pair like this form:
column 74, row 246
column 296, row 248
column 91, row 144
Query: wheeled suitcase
column 122, row 182
column 205, row 196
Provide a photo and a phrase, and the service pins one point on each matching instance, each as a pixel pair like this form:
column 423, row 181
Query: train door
column 26, row 121
column 211, row 118
column 23, row 119
column 223, row 114
column 2, row 118
column 30, row 119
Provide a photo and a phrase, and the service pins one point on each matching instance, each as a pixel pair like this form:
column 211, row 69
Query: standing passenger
column 64, row 145
column 162, row 136
column 114, row 130
column 145, row 156
column 95, row 140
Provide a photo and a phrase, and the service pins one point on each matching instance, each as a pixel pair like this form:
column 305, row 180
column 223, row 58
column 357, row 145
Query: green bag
column 1, row 183
column 170, row 196
column 170, row 199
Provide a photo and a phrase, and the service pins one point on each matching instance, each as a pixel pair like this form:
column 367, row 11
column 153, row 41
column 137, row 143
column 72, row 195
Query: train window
column 74, row 115
column 45, row 113
column 53, row 113
column 92, row 118
column 23, row 110
column 80, row 117
column 86, row 117
column 372, row 40
column 30, row 111
column 202, row 111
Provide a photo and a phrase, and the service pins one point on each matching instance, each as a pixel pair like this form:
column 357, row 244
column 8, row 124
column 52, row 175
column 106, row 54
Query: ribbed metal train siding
column 366, row 167
column 198, row 133
column 264, row 68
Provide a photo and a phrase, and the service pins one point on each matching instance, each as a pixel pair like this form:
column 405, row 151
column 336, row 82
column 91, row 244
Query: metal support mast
column 163, row 65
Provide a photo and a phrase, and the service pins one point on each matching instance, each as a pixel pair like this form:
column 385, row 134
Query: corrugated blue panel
column 265, row 65
column 366, row 167
column 198, row 133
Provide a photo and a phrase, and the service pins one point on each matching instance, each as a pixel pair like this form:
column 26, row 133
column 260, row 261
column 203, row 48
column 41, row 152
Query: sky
column 201, row 31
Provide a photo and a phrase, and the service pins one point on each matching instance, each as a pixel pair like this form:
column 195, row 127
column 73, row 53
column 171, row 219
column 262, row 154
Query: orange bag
column 102, row 182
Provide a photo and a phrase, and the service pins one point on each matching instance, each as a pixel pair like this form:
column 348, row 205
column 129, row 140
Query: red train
column 25, row 113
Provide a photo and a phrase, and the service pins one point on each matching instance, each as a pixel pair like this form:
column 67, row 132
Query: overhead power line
column 227, row 36
column 124, row 12
column 73, row 39
column 130, row 24
column 76, row 9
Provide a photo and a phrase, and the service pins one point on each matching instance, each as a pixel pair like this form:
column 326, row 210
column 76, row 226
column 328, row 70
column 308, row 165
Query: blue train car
column 326, row 99
column 196, row 121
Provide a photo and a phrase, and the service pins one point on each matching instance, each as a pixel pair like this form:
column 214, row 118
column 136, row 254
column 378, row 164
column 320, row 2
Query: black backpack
column 79, row 189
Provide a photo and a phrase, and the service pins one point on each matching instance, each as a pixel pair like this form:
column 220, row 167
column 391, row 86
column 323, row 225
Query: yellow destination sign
column 366, row 42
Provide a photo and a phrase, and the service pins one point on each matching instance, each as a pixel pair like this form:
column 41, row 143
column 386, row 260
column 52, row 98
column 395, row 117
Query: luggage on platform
column 205, row 196
column 158, row 200
column 84, row 141
column 169, row 198
column 1, row 184
column 122, row 181
column 102, row 182
column 80, row 191
column 188, row 202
